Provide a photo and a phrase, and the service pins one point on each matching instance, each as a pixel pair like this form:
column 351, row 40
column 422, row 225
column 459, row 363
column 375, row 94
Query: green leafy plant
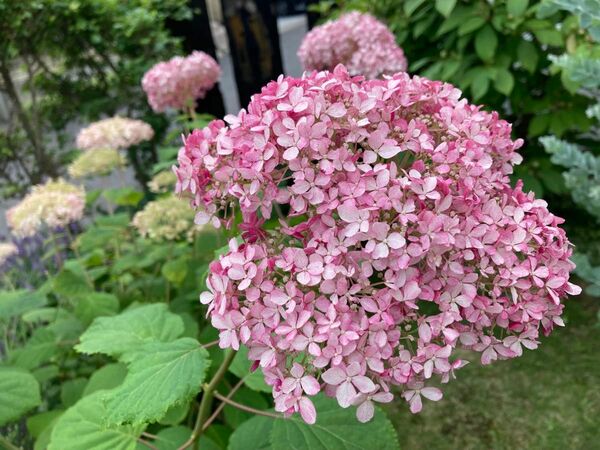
column 63, row 61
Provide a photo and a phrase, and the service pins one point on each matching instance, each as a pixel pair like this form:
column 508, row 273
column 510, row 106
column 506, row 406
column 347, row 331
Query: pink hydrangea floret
column 359, row 41
column 180, row 81
column 408, row 242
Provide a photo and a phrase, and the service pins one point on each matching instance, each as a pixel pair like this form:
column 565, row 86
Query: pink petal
column 396, row 240
column 348, row 213
column 432, row 393
column 345, row 394
column 365, row 411
column 363, row 384
column 310, row 385
column 307, row 410
column 415, row 404
column 334, row 376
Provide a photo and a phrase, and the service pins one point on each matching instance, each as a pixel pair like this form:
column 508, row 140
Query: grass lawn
column 547, row 399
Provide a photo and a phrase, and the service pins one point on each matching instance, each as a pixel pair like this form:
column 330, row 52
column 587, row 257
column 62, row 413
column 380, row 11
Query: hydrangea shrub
column 114, row 133
column 180, row 81
column 359, row 41
column 405, row 243
column 54, row 204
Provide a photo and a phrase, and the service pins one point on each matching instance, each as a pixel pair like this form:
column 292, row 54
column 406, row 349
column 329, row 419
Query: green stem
column 7, row 444
column 207, row 397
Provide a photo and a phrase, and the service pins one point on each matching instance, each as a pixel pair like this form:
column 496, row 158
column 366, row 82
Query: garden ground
column 547, row 399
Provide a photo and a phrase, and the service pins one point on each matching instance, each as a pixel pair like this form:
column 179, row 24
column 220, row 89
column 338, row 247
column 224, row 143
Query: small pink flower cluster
column 407, row 242
column 359, row 41
column 114, row 133
column 177, row 83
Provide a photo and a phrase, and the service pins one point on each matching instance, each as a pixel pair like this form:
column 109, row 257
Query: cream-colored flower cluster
column 99, row 162
column 163, row 181
column 116, row 132
column 7, row 249
column 54, row 204
column 166, row 219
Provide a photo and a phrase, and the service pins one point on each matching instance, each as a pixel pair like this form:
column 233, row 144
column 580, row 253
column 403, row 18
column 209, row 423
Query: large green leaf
column 106, row 377
column 19, row 392
column 96, row 304
column 71, row 282
column 241, row 368
column 41, row 347
column 336, row 428
column 445, row 7
column 38, row 423
column 161, row 374
column 486, row 43
column 83, row 427
column 15, row 303
column 131, row 329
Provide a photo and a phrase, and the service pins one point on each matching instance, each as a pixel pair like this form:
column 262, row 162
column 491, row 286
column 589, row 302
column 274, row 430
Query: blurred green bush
column 72, row 60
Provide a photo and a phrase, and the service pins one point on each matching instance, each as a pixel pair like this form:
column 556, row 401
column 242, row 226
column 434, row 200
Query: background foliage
column 65, row 61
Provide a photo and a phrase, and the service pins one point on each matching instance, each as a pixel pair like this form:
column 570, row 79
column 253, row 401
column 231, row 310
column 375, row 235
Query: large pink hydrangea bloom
column 177, row 83
column 408, row 241
column 359, row 41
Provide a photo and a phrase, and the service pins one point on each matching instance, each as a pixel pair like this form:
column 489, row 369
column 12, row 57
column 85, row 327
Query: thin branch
column 210, row 344
column 222, row 405
column 149, row 435
column 207, row 397
column 246, row 408
column 147, row 444
column 7, row 444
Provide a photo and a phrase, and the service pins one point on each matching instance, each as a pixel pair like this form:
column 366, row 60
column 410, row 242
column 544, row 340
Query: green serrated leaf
column 15, row 303
column 19, row 392
column 70, row 283
column 176, row 270
column 96, row 304
column 41, row 347
column 336, row 428
column 486, row 43
column 38, row 423
column 72, row 390
column 172, row 371
column 106, row 378
column 445, row 7
column 83, row 427
column 131, row 329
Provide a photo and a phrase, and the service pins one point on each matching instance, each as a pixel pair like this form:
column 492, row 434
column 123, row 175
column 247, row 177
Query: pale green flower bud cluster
column 166, row 219
column 54, row 204
column 162, row 182
column 99, row 162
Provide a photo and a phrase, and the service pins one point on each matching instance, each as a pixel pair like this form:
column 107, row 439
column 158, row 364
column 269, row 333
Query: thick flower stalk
column 163, row 181
column 54, row 204
column 7, row 251
column 166, row 219
column 115, row 132
column 97, row 163
column 409, row 241
column 359, row 41
column 180, row 81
